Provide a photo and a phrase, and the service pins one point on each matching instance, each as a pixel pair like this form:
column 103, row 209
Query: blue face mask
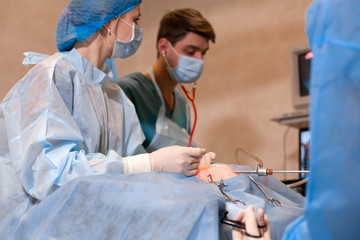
column 126, row 49
column 188, row 69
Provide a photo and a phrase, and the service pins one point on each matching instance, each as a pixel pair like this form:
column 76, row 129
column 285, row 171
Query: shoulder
column 39, row 79
column 49, row 68
column 136, row 85
column 43, row 71
column 139, row 89
column 133, row 80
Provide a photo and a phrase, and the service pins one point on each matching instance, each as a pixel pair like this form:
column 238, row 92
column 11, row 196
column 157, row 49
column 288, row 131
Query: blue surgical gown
column 59, row 122
column 333, row 193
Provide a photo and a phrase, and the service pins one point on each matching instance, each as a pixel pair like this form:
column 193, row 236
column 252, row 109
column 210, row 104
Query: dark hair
column 176, row 24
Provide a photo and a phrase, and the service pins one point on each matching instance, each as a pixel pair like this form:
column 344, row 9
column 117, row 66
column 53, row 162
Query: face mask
column 188, row 69
column 126, row 49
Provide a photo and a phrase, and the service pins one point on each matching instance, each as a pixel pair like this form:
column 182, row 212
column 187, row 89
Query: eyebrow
column 196, row 48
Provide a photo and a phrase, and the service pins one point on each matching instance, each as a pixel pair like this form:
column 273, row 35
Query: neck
column 165, row 82
column 93, row 51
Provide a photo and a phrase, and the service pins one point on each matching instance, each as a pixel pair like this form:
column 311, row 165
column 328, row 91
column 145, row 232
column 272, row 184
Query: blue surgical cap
column 82, row 18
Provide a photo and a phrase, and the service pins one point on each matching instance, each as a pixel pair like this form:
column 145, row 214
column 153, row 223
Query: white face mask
column 126, row 49
column 188, row 69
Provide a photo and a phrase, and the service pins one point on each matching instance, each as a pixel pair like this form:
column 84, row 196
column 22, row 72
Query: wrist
column 137, row 163
column 154, row 167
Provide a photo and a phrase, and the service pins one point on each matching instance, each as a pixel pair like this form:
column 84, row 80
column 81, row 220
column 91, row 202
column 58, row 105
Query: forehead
column 133, row 12
column 193, row 39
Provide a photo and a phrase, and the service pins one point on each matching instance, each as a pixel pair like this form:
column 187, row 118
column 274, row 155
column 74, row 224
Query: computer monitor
column 300, row 62
column 304, row 150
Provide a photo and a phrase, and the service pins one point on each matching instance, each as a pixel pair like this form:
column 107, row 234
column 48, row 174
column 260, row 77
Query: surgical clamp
column 272, row 200
column 221, row 185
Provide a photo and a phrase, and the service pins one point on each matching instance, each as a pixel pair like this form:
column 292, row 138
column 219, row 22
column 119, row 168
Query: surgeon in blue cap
column 66, row 118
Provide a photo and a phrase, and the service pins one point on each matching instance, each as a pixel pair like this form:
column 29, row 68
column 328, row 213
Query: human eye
column 190, row 51
column 137, row 21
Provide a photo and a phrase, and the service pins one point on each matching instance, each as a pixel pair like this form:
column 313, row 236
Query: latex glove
column 252, row 223
column 207, row 159
column 177, row 159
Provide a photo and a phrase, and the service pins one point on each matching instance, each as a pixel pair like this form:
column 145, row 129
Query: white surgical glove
column 177, row 159
column 207, row 159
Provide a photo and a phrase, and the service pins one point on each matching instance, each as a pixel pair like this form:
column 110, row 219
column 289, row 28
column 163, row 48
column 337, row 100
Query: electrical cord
column 298, row 183
column 284, row 148
column 261, row 164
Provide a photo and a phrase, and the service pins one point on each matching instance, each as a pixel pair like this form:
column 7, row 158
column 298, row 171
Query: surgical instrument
column 268, row 171
column 221, row 185
column 238, row 224
column 272, row 200
column 260, row 170
column 241, row 225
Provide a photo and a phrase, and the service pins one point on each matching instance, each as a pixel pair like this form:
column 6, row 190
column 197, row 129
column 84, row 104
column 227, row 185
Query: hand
column 207, row 159
column 176, row 159
column 252, row 223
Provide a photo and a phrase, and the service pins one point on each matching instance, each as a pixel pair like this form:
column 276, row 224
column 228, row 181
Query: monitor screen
column 304, row 150
column 304, row 73
column 300, row 75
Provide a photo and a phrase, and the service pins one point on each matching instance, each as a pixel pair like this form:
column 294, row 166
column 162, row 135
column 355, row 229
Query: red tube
column 192, row 100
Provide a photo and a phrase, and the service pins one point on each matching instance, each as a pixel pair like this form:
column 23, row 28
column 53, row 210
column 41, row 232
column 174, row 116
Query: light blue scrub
column 59, row 122
column 333, row 194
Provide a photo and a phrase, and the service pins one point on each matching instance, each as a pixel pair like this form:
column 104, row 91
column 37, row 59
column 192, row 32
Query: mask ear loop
column 118, row 19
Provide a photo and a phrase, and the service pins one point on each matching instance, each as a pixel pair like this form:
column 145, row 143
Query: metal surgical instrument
column 238, row 224
column 272, row 200
column 260, row 170
column 268, row 171
column 221, row 185
column 241, row 225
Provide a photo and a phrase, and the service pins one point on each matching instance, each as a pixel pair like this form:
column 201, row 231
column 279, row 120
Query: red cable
column 192, row 100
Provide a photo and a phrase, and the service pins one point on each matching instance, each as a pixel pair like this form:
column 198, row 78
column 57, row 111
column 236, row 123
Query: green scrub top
column 141, row 91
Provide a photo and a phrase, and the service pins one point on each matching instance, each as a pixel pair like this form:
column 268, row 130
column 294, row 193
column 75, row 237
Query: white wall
column 246, row 77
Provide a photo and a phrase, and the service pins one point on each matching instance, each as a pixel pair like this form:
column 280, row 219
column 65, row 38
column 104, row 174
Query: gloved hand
column 177, row 159
column 252, row 223
column 207, row 159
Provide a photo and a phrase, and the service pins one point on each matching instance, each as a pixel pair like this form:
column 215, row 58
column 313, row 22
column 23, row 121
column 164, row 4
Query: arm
column 45, row 143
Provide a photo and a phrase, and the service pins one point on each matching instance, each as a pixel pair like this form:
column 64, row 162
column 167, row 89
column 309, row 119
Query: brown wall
column 246, row 77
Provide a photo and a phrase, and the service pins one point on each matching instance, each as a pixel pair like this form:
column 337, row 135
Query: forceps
column 272, row 200
column 221, row 185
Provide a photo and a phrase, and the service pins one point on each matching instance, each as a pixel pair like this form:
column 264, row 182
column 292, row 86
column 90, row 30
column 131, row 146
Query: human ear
column 106, row 28
column 163, row 46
